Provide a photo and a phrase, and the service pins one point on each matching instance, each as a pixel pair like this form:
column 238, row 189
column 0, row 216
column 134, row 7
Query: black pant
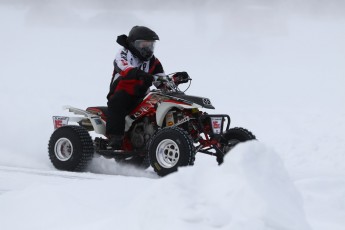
column 120, row 104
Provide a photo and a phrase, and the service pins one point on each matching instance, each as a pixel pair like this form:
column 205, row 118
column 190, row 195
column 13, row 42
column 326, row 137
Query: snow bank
column 251, row 190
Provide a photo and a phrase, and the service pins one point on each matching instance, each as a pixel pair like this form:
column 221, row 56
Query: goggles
column 144, row 44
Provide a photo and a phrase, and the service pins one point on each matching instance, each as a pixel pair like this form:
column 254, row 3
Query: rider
column 134, row 67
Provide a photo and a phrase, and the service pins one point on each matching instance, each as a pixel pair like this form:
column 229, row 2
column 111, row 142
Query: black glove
column 145, row 77
column 181, row 77
column 161, row 78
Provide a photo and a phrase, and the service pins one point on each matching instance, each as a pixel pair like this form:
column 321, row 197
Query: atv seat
column 101, row 111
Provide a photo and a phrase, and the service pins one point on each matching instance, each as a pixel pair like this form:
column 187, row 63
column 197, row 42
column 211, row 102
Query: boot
column 115, row 142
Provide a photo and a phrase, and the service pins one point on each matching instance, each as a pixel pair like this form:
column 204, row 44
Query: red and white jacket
column 133, row 75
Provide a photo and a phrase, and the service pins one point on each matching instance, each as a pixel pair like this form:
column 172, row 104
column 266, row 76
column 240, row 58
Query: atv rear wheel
column 234, row 136
column 169, row 149
column 70, row 148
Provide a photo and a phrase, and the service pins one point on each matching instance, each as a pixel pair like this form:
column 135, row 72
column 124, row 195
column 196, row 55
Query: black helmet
column 141, row 41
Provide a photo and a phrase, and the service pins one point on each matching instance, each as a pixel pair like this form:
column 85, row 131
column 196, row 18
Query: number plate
column 60, row 121
column 217, row 124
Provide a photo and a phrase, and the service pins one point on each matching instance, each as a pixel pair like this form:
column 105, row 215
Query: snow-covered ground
column 276, row 67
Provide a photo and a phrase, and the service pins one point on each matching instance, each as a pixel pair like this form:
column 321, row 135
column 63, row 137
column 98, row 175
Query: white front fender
column 165, row 107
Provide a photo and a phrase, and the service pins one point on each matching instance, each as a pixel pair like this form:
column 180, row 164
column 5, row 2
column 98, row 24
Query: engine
column 141, row 133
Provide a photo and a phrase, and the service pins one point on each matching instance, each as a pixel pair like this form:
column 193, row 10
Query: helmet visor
column 145, row 47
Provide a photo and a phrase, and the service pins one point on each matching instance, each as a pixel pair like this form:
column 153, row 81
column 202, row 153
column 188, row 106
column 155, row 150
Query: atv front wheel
column 169, row 149
column 70, row 148
column 234, row 136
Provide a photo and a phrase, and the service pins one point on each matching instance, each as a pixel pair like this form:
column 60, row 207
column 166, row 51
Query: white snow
column 276, row 67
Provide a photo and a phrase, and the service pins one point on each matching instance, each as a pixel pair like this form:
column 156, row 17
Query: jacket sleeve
column 155, row 66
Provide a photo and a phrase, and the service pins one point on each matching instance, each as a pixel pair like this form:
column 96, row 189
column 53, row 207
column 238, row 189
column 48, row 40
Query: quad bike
column 165, row 130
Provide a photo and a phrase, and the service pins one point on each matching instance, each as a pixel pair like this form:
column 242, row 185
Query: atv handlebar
column 171, row 81
column 159, row 78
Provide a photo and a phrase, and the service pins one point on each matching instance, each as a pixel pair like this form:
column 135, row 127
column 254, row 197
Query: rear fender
column 97, row 123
